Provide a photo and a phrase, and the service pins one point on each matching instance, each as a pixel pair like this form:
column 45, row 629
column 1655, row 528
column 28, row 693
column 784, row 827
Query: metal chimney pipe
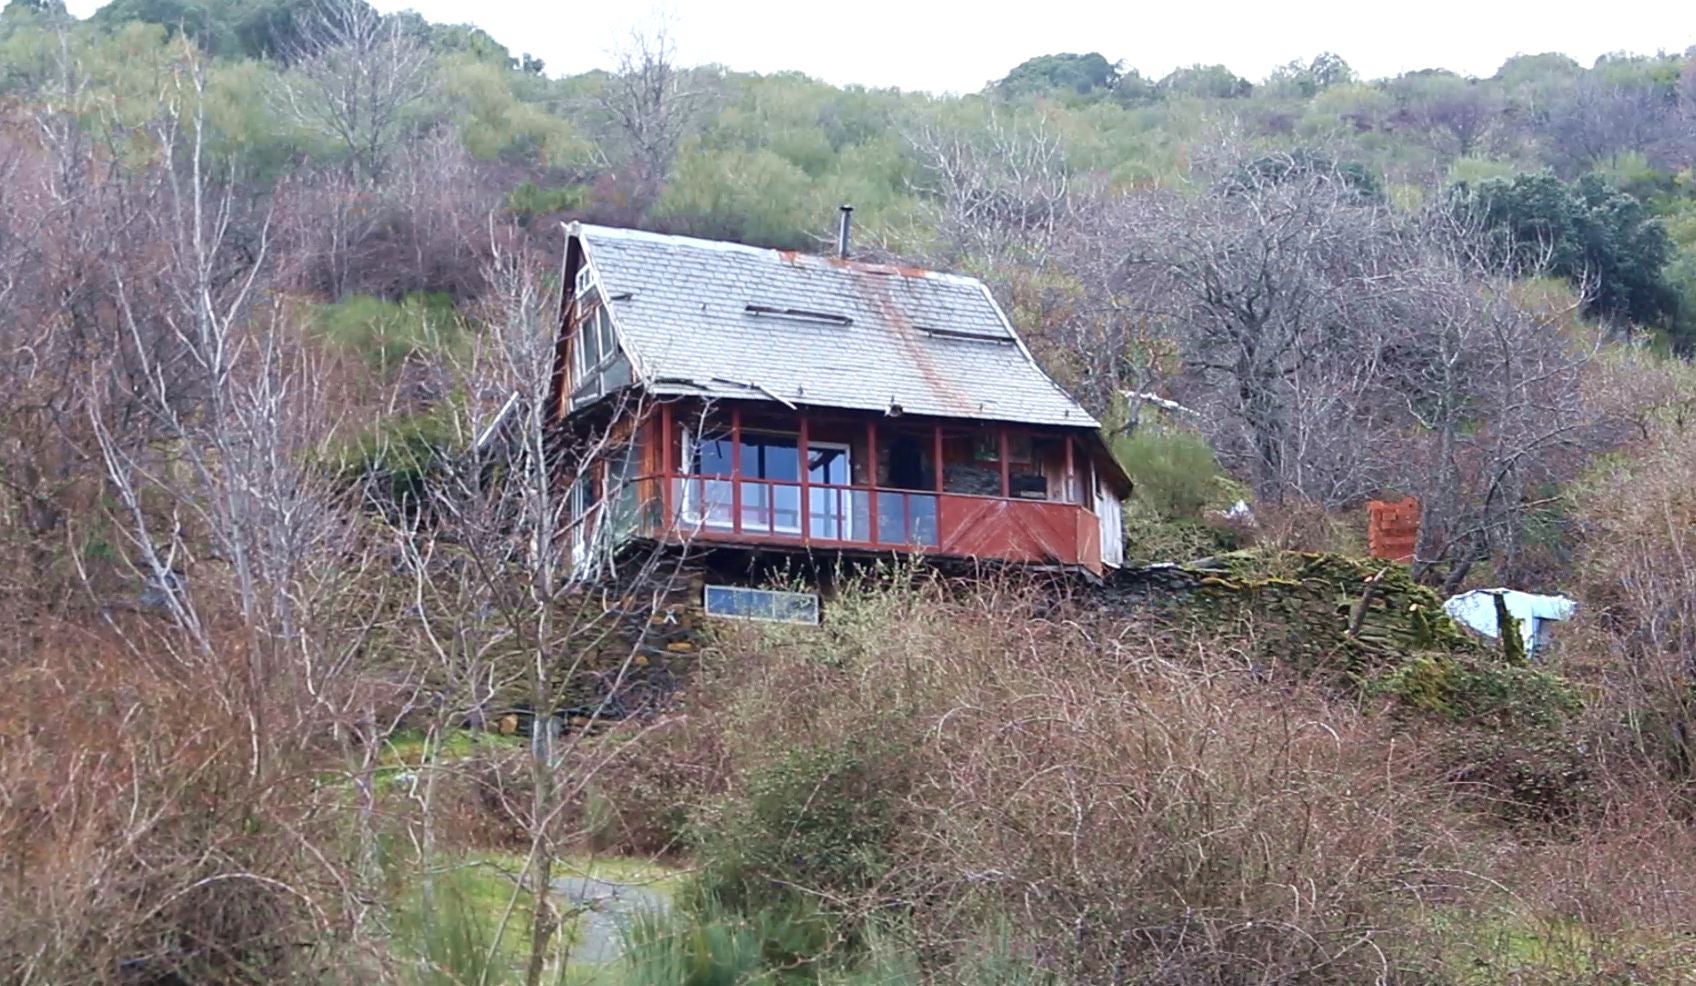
column 847, row 214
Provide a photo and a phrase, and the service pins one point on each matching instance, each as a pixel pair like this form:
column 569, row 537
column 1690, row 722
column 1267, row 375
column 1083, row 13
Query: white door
column 1111, row 514
column 830, row 512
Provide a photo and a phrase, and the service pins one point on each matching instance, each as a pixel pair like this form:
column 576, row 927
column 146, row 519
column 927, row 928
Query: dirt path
column 611, row 906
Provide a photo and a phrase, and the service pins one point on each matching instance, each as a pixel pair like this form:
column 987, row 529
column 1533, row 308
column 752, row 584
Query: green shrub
column 383, row 334
column 1173, row 469
column 392, row 467
column 812, row 820
column 1176, row 480
column 529, row 200
column 711, row 945
column 452, row 933
column 1153, row 537
column 1471, row 688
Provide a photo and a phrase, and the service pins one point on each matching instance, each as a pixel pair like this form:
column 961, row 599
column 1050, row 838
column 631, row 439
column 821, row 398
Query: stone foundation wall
column 632, row 642
column 640, row 638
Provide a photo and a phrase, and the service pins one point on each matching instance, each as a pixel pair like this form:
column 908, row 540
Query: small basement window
column 734, row 602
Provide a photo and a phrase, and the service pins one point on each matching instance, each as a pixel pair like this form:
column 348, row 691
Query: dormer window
column 596, row 362
column 595, row 341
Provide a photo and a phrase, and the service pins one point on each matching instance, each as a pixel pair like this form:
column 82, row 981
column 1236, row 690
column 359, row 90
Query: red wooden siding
column 1029, row 531
column 860, row 514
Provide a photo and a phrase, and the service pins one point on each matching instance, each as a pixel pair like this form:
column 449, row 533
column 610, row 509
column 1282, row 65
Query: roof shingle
column 726, row 320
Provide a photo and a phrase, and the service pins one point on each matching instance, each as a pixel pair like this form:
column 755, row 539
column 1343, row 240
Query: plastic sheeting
column 1477, row 609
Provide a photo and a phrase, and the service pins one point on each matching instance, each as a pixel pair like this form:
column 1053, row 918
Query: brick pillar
column 1392, row 529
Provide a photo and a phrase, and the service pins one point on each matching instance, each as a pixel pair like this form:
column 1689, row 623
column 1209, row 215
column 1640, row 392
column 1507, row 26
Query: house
column 765, row 400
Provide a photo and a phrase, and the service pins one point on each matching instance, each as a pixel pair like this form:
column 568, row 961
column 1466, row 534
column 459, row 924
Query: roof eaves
column 1088, row 420
column 639, row 371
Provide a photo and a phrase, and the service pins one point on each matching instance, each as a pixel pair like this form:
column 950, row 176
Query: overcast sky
column 952, row 46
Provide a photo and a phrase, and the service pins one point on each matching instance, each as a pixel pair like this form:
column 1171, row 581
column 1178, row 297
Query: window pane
column 589, row 343
column 770, row 457
column 603, row 327
column 712, row 457
column 735, row 602
column 828, row 465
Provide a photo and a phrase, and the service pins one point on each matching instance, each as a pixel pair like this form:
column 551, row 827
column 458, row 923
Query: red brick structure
column 1392, row 529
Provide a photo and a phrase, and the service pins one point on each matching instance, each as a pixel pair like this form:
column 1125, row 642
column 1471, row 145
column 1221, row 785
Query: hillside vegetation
column 268, row 267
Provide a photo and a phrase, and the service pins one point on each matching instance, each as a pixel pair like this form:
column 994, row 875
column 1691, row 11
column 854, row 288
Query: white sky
column 955, row 46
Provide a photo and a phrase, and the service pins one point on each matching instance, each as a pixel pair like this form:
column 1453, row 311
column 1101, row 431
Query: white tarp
column 1477, row 609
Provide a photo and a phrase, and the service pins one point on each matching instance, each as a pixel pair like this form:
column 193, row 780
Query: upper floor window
column 595, row 340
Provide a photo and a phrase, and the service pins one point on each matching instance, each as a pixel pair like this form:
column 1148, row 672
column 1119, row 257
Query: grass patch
column 459, row 936
column 407, row 748
column 461, row 940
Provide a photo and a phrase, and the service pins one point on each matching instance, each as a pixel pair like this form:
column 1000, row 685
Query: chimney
column 1392, row 529
column 847, row 214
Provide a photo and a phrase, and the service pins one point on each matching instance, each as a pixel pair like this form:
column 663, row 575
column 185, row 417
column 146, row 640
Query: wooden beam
column 1006, row 467
column 805, row 511
column 871, row 482
column 665, row 439
column 736, row 468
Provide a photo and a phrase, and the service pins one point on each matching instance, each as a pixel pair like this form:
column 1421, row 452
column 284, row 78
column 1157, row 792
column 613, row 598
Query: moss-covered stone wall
column 1321, row 610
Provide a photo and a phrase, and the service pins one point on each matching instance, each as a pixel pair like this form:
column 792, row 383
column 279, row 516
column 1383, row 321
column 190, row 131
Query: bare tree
column 356, row 75
column 1339, row 350
column 1493, row 390
column 992, row 190
column 508, row 615
column 650, row 105
column 1455, row 113
column 1600, row 116
column 1260, row 281
column 204, row 415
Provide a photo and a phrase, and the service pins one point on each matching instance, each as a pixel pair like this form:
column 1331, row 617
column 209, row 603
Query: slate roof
column 703, row 317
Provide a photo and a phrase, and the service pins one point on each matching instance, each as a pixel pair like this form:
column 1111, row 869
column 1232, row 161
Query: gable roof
column 717, row 319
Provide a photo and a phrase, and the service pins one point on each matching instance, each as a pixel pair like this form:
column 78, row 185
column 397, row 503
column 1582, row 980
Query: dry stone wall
column 1317, row 611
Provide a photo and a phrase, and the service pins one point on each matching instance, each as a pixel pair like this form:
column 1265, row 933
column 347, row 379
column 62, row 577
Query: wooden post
column 735, row 469
column 936, row 456
column 1070, row 494
column 1006, row 467
column 871, row 483
column 665, row 439
column 805, row 510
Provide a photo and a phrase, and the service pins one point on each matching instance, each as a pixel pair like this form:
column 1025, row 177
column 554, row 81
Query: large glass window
column 830, row 509
column 736, row 602
column 771, row 474
column 770, row 487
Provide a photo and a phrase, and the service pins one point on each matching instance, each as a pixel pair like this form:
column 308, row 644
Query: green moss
column 1469, row 688
column 1301, row 606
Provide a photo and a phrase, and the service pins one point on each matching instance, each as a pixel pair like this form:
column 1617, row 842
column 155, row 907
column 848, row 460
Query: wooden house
column 773, row 401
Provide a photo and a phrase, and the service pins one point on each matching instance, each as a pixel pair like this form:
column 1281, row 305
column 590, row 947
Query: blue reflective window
column 739, row 603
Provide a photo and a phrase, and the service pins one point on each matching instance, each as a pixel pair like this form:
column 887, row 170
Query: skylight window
column 999, row 338
column 800, row 314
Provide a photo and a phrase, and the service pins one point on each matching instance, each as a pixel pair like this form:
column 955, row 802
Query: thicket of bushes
column 935, row 786
column 1129, row 803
